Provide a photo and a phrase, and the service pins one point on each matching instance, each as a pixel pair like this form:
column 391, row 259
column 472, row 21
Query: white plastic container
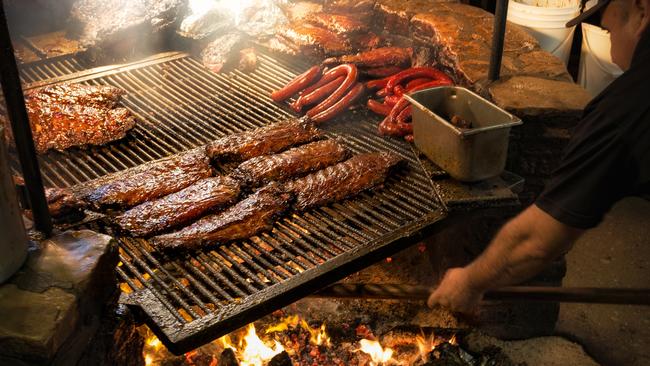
column 547, row 24
column 596, row 70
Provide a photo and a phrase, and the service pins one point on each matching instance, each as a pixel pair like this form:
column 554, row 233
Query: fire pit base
column 53, row 305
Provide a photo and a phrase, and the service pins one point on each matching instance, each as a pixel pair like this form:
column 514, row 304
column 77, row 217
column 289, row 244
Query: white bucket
column 547, row 24
column 596, row 67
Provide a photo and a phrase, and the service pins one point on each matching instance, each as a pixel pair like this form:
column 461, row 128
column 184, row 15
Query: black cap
column 587, row 13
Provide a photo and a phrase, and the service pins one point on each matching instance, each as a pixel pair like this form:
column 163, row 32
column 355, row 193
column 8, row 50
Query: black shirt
column 608, row 156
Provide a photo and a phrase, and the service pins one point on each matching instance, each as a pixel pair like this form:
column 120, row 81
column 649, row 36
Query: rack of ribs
column 291, row 163
column 248, row 217
column 265, row 140
column 180, row 207
column 342, row 180
column 146, row 182
column 66, row 115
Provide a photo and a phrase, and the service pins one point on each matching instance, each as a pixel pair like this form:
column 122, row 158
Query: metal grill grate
column 51, row 68
column 193, row 299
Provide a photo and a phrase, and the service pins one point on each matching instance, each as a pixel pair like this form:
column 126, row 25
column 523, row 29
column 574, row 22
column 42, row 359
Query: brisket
column 222, row 51
column 248, row 217
column 291, row 163
column 181, row 207
column 265, row 140
column 314, row 41
column 339, row 23
column 99, row 23
column 342, row 180
column 378, row 57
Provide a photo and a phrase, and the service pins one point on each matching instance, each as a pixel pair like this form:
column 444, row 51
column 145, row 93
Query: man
column 607, row 159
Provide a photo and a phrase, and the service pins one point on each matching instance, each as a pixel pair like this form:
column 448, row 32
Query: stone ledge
column 39, row 322
column 534, row 97
column 61, row 289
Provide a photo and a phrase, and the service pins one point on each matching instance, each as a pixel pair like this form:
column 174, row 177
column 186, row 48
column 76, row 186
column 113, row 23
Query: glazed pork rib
column 181, row 207
column 66, row 115
column 342, row 180
column 254, row 214
column 291, row 163
column 146, row 182
column 264, row 140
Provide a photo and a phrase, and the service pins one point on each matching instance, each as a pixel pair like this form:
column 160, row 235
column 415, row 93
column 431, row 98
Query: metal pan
column 468, row 155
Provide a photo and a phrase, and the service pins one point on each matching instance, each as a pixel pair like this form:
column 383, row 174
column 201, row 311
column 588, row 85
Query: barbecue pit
column 191, row 299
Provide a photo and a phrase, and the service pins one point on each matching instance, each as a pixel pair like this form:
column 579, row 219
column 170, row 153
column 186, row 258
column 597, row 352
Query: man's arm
column 521, row 249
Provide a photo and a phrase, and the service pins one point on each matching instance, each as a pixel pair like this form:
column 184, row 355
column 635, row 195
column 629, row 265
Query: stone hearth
column 53, row 306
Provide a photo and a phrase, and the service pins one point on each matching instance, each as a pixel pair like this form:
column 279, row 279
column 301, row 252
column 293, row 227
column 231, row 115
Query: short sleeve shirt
column 608, row 156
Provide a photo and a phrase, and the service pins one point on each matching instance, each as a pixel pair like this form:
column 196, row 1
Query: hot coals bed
column 191, row 299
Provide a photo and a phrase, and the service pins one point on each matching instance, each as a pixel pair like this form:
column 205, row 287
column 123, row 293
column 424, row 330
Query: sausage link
column 373, row 85
column 415, row 82
column 297, row 84
column 397, row 109
column 317, row 95
column 391, row 100
column 355, row 92
column 405, row 115
column 388, row 128
column 414, row 73
column 430, row 84
column 350, row 80
column 378, row 107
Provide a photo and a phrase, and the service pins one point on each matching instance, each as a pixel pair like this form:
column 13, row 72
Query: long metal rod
column 498, row 36
column 17, row 113
column 629, row 296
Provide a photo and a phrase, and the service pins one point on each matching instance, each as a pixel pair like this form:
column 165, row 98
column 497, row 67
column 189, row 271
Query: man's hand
column 456, row 292
column 521, row 249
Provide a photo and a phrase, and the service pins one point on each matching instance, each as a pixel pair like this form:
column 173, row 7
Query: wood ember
column 281, row 359
column 228, row 358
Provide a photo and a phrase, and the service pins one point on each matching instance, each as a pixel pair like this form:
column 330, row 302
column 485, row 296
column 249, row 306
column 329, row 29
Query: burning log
column 281, row 359
column 228, row 358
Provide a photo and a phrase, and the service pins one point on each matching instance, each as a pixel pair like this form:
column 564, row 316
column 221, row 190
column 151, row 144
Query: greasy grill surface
column 189, row 299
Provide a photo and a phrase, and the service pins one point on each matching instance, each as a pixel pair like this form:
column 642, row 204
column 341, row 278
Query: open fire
column 292, row 340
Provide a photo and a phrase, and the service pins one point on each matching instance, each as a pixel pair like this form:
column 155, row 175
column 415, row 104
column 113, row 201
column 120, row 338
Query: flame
column 152, row 346
column 317, row 336
column 251, row 350
column 453, row 341
column 284, row 324
column 378, row 354
column 154, row 343
column 425, row 345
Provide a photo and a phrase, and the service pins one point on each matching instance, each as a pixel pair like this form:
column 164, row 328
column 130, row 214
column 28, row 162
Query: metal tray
column 468, row 155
